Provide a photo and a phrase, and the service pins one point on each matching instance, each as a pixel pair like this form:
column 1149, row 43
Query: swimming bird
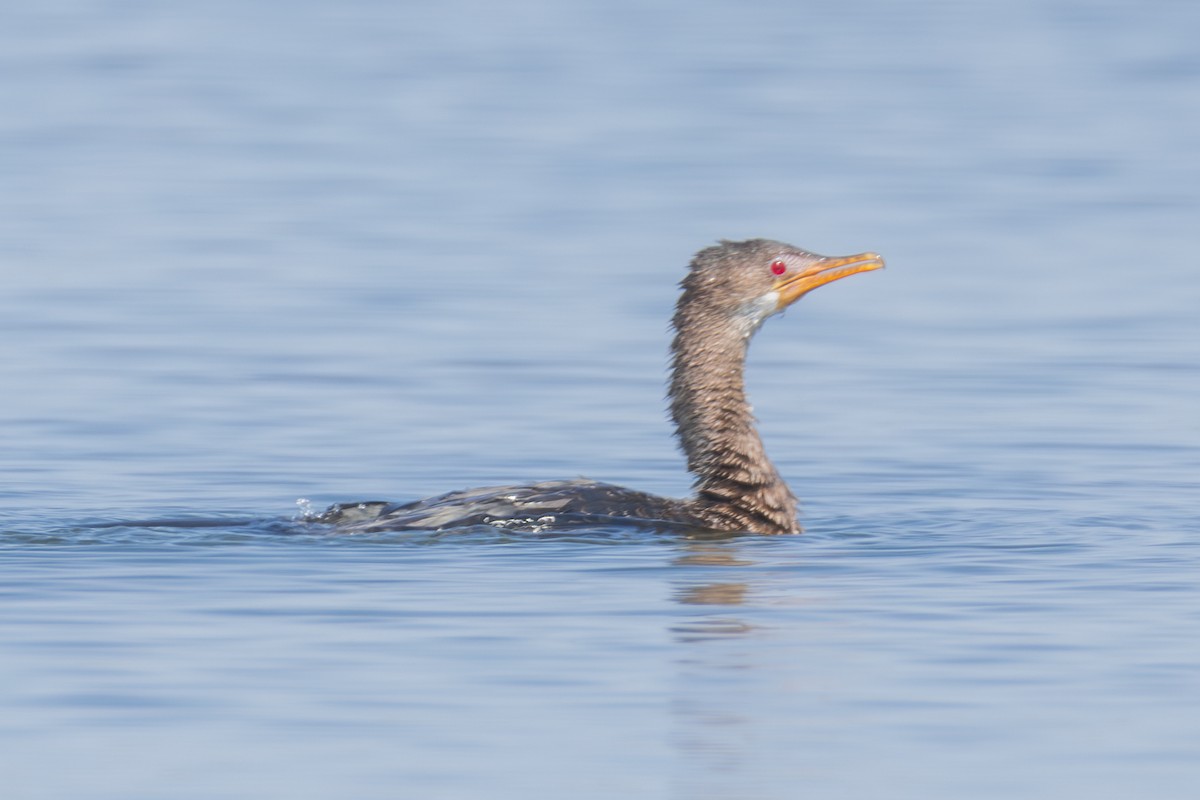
column 730, row 289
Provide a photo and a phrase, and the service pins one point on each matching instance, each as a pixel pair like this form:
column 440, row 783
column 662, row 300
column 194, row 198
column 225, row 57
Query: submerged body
column 729, row 291
column 538, row 506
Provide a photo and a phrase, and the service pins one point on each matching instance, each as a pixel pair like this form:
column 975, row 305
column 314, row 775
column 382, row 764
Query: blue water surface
column 260, row 256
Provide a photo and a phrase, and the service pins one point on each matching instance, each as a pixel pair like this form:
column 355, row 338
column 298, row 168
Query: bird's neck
column 736, row 484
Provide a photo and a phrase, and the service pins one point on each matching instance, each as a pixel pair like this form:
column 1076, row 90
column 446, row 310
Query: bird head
column 746, row 282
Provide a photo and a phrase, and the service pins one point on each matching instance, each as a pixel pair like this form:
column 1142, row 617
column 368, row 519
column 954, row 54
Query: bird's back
column 537, row 506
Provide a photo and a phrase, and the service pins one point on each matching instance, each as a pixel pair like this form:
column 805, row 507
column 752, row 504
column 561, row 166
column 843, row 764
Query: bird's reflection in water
column 711, row 730
column 710, row 593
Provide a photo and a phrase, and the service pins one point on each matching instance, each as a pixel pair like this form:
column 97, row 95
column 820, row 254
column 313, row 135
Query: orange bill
column 824, row 270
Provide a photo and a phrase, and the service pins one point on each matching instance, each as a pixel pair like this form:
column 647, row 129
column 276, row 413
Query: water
column 262, row 252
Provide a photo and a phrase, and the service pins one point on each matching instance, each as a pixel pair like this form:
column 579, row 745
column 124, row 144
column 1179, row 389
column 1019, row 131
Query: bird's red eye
column 778, row 267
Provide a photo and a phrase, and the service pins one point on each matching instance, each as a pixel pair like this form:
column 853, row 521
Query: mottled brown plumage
column 730, row 290
column 722, row 305
column 736, row 485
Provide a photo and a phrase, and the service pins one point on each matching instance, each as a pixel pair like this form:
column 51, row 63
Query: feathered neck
column 736, row 485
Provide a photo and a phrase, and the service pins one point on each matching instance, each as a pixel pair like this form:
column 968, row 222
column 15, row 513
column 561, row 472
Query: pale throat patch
column 755, row 312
